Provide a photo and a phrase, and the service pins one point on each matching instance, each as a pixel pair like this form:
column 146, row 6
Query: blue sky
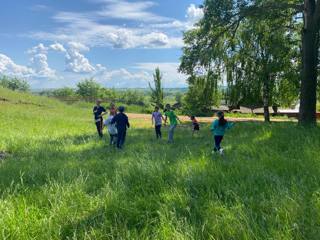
column 57, row 43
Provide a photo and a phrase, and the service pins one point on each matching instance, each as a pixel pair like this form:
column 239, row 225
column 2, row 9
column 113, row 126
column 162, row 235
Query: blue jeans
column 217, row 143
column 158, row 131
column 171, row 132
column 121, row 137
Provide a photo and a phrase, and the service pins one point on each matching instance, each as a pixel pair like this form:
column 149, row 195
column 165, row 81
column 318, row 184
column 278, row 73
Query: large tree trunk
column 308, row 92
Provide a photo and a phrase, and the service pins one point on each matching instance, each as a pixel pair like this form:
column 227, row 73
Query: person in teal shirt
column 218, row 128
column 173, row 118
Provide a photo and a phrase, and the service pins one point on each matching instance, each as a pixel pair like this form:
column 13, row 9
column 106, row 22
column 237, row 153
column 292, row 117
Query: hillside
column 59, row 181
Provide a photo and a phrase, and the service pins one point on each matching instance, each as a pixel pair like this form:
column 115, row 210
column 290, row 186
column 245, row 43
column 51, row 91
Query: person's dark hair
column 167, row 107
column 222, row 120
column 192, row 117
column 121, row 109
column 156, row 108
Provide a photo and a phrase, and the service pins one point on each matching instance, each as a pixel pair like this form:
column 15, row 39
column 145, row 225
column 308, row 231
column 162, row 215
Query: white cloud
column 78, row 46
column 75, row 61
column 121, row 78
column 171, row 76
column 194, row 13
column 40, row 48
column 94, row 34
column 39, row 62
column 88, row 29
column 137, row 11
column 57, row 47
column 8, row 67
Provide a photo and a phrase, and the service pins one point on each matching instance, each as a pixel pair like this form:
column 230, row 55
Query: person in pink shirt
column 156, row 119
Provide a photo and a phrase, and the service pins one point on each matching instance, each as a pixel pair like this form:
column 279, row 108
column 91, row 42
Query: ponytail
column 222, row 120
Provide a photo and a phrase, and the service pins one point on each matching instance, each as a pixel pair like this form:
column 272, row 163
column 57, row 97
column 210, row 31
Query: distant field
column 59, row 181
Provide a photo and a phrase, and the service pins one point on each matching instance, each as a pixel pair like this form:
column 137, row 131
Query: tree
column 88, row 89
column 254, row 60
column 202, row 94
column 132, row 97
column 178, row 97
column 157, row 92
column 223, row 17
column 264, row 53
column 14, row 84
column 63, row 92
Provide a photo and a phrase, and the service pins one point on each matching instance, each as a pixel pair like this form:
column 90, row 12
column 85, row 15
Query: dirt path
column 147, row 117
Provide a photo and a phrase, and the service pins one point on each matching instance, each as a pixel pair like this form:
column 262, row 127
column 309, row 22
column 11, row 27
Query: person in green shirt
column 173, row 118
column 218, row 128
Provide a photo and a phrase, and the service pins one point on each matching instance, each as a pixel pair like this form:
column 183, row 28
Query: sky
column 119, row 43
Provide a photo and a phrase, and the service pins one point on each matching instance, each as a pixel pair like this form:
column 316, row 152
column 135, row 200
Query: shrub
column 14, row 84
column 63, row 92
column 88, row 89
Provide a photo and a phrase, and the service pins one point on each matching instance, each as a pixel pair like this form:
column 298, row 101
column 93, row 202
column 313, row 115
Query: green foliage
column 157, row 94
column 88, row 89
column 132, row 97
column 59, row 181
column 259, row 58
column 178, row 97
column 110, row 94
column 14, row 84
column 63, row 92
column 202, row 95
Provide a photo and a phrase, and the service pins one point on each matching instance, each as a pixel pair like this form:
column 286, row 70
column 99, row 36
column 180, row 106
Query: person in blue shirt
column 98, row 112
column 218, row 128
column 122, row 123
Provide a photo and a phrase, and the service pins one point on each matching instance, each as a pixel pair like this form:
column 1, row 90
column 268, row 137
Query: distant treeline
column 89, row 90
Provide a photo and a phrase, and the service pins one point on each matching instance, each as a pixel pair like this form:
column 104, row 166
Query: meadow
column 58, row 180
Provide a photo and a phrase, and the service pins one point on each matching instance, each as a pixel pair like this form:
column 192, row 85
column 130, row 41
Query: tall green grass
column 59, row 181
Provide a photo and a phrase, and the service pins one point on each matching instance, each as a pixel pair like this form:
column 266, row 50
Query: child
column 122, row 123
column 157, row 120
column 111, row 127
column 195, row 124
column 218, row 128
column 98, row 112
column 169, row 113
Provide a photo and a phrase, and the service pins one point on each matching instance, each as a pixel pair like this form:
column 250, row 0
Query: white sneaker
column 221, row 151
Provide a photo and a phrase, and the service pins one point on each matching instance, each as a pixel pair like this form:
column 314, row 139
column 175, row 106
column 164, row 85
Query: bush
column 63, row 92
column 88, row 89
column 132, row 97
column 14, row 84
column 109, row 94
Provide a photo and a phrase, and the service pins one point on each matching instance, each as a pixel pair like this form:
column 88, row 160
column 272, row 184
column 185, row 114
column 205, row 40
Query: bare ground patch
column 147, row 117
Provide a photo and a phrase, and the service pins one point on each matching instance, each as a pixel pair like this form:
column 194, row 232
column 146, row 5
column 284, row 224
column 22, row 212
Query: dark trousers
column 113, row 138
column 99, row 126
column 158, row 131
column 217, row 143
column 121, row 137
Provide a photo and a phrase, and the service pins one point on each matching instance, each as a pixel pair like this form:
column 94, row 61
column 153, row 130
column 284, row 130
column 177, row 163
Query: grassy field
column 59, row 181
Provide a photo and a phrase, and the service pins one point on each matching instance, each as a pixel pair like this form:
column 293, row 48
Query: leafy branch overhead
column 220, row 42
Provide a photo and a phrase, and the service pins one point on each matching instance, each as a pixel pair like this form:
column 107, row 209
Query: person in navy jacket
column 122, row 123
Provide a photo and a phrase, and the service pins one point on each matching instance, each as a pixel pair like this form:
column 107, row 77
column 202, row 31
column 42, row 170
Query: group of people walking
column 117, row 124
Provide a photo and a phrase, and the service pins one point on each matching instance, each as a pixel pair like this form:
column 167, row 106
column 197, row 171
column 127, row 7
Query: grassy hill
column 59, row 181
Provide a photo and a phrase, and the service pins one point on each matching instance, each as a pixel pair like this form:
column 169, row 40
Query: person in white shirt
column 112, row 130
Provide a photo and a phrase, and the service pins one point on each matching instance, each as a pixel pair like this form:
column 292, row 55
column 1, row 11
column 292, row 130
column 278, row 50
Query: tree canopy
column 258, row 45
